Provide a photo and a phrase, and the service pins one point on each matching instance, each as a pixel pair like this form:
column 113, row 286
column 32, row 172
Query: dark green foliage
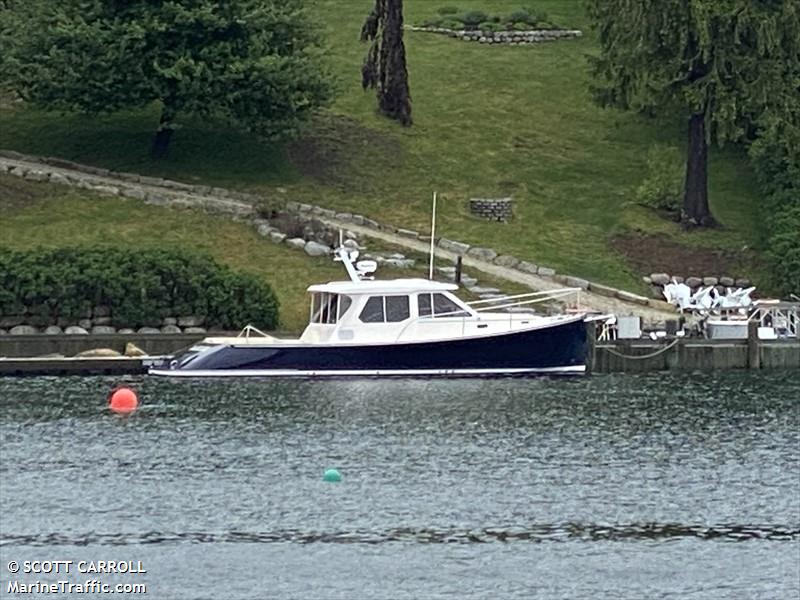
column 254, row 64
column 521, row 16
column 447, row 10
column 776, row 158
column 716, row 64
column 140, row 286
column 663, row 185
column 474, row 18
column 384, row 68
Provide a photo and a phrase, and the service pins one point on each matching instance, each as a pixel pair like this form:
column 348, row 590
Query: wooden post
column 591, row 340
column 753, row 349
column 458, row 269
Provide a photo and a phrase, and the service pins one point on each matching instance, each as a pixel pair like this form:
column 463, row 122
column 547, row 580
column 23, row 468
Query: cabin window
column 385, row 309
column 373, row 310
column 438, row 305
column 327, row 308
column 397, row 308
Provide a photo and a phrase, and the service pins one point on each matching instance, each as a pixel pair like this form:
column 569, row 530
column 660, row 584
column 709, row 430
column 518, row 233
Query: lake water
column 657, row 486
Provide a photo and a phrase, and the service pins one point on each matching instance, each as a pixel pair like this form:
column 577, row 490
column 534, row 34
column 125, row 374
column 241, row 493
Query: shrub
column 662, row 188
column 521, row 16
column 488, row 26
column 140, row 286
column 447, row 10
column 474, row 18
column 520, row 27
column 451, row 24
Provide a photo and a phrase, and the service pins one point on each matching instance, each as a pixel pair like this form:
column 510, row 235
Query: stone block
column 659, row 278
column 85, row 323
column 296, row 243
column 265, row 230
column 371, row 224
column 23, row 330
column 358, row 219
column 277, row 236
column 409, row 233
column 527, row 267
column 170, row 329
column 149, row 330
column 316, row 249
column 459, row 248
column 103, row 329
column 602, row 290
column 577, row 282
column 743, row 283
column 53, row 330
column 101, row 321
column 133, row 193
column 726, row 281
column 191, row 321
column 345, row 216
column 693, row 282
column 195, row 330
column 629, row 297
column 76, row 330
column 710, row 281
column 35, row 175
column 546, row 271
column 486, row 254
column 59, row 179
column 506, row 260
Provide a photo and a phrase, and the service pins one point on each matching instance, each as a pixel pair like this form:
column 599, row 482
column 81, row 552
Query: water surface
column 611, row 486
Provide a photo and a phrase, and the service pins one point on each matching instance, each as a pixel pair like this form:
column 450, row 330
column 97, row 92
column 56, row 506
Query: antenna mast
column 433, row 236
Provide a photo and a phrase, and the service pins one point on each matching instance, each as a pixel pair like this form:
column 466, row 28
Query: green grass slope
column 488, row 121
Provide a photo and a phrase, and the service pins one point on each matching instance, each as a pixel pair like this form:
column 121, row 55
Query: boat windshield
column 327, row 308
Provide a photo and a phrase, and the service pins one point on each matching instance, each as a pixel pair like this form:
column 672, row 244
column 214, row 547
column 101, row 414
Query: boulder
column 23, row 330
column 659, row 278
column 101, row 321
column 75, row 330
column 506, row 260
column 743, row 283
column 527, row 267
column 264, row 230
column 148, row 330
column 53, row 330
column 277, row 236
column 103, row 329
column 693, row 282
column 486, row 254
column 726, row 281
column 313, row 248
column 191, row 321
column 132, row 349
column 546, row 271
column 468, row 281
column 98, row 353
column 170, row 329
column 710, row 281
column 296, row 243
column 194, row 330
column 169, row 321
column 126, row 331
column 85, row 323
column 459, row 248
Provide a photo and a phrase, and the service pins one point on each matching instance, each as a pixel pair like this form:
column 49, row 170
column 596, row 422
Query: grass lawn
column 488, row 121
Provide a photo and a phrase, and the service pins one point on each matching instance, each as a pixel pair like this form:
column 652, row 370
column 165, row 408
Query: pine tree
column 384, row 67
column 255, row 64
column 721, row 64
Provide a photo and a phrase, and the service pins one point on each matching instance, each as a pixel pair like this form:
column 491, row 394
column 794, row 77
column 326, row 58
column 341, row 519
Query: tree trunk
column 163, row 134
column 695, row 211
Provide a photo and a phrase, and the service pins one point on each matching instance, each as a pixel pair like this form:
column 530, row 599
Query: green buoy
column 331, row 475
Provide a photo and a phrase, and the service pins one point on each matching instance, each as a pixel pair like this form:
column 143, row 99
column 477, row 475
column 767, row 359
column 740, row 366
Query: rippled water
column 600, row 487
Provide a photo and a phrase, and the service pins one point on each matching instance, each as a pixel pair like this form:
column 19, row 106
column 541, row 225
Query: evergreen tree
column 722, row 64
column 384, row 67
column 254, row 63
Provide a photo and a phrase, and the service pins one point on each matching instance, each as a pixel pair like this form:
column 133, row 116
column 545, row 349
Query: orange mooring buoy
column 123, row 400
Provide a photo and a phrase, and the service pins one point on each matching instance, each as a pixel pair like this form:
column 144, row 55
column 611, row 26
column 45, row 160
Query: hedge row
column 140, row 286
column 776, row 158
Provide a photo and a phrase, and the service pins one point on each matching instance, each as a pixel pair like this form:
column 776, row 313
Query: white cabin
column 400, row 310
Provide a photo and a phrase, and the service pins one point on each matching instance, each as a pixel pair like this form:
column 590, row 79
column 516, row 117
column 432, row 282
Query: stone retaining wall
column 494, row 209
column 657, row 281
column 514, row 38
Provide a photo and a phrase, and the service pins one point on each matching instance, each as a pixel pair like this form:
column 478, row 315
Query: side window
column 372, row 311
column 397, row 308
column 424, row 305
column 344, row 304
column 444, row 307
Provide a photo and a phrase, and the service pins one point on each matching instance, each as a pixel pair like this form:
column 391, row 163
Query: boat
column 365, row 327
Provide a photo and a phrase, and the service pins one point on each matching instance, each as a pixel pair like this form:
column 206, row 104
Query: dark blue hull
column 556, row 348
